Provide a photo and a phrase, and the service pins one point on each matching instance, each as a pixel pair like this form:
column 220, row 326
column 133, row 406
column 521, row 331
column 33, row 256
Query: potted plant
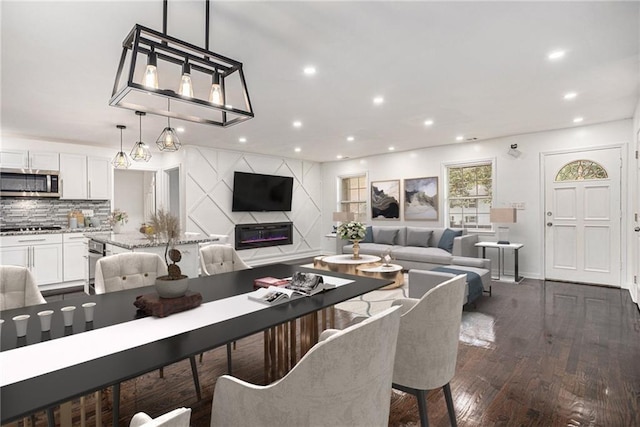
column 117, row 219
column 167, row 228
column 354, row 231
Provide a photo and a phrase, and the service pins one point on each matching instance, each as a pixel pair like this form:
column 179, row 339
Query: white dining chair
column 131, row 270
column 344, row 380
column 216, row 259
column 427, row 347
column 127, row 271
column 18, row 288
column 179, row 417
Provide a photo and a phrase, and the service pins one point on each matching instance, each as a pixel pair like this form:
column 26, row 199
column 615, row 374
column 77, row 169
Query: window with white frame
column 469, row 193
column 353, row 196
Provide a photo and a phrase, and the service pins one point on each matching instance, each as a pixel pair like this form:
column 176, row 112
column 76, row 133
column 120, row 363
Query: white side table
column 501, row 247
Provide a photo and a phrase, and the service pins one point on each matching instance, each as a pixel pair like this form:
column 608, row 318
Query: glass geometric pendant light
column 140, row 151
column 121, row 161
column 168, row 139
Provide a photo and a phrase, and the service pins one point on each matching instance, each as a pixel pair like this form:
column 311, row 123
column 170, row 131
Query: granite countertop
column 62, row 230
column 134, row 239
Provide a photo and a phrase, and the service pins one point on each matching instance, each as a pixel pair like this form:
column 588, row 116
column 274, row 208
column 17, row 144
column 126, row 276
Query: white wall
column 517, row 180
column 208, row 183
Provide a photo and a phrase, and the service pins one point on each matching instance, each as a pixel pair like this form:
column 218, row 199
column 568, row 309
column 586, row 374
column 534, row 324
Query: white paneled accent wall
column 208, row 195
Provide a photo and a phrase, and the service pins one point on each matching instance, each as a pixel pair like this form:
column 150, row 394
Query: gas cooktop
column 31, row 228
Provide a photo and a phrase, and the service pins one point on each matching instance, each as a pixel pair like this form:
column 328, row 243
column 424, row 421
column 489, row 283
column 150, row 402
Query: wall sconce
column 513, row 151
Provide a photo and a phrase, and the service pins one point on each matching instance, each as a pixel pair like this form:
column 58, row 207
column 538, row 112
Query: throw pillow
column 387, row 236
column 368, row 235
column 418, row 237
column 446, row 241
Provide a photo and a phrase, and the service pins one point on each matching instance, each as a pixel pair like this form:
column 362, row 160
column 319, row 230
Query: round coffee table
column 345, row 263
column 384, row 271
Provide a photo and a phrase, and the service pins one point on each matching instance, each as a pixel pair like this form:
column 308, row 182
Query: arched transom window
column 580, row 170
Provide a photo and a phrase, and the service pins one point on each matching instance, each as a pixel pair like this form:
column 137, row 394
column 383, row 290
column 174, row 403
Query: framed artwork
column 385, row 199
column 421, row 199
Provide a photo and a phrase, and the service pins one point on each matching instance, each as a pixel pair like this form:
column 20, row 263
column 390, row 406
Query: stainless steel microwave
column 29, row 183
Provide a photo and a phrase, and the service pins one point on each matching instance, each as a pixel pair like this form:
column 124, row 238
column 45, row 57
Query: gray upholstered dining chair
column 179, row 417
column 345, row 379
column 18, row 288
column 215, row 259
column 427, row 347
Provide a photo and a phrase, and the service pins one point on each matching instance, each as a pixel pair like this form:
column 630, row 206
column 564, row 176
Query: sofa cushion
column 414, row 253
column 368, row 235
column 446, row 241
column 418, row 236
column 401, row 237
column 386, row 236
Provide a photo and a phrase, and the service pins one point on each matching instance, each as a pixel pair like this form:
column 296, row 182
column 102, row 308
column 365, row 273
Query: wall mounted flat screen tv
column 254, row 192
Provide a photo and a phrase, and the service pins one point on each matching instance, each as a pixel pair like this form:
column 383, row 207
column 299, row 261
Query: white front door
column 582, row 216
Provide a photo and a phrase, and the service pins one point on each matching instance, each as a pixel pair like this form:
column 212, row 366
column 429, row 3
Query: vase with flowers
column 117, row 219
column 354, row 231
column 167, row 228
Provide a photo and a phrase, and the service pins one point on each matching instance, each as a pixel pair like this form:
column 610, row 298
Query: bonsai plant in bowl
column 167, row 228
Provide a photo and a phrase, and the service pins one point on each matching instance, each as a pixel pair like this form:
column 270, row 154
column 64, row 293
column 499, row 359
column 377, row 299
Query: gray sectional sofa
column 417, row 247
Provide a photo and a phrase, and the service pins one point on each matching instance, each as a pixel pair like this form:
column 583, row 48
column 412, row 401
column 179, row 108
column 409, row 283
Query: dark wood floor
column 534, row 354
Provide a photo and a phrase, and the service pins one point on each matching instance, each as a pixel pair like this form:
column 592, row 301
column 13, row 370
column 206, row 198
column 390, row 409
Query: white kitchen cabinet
column 40, row 253
column 22, row 159
column 99, row 178
column 74, row 258
column 73, row 176
column 85, row 177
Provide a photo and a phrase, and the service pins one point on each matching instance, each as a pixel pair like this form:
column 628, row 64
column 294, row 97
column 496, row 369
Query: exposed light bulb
column 186, row 88
column 150, row 78
column 215, row 96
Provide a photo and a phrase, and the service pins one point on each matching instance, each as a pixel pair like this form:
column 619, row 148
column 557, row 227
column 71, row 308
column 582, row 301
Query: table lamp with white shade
column 342, row 217
column 503, row 216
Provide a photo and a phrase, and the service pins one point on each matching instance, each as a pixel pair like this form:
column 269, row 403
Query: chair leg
column 116, row 405
column 51, row 421
column 229, row 358
column 421, row 395
column 196, row 381
column 161, row 370
column 201, row 357
column 452, row 412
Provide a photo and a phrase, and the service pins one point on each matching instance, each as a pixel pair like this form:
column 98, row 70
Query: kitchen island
column 188, row 244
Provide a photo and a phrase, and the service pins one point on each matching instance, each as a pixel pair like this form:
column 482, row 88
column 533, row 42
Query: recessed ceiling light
column 378, row 100
column 297, row 149
column 428, row 122
column 392, row 148
column 556, row 54
column 459, row 138
column 578, row 120
column 570, row 95
column 350, row 138
column 297, row 124
column 339, row 156
column 310, row 70
column 180, row 129
column 229, row 106
column 242, row 139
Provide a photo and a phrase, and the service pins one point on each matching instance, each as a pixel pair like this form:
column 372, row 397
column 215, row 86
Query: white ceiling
column 478, row 69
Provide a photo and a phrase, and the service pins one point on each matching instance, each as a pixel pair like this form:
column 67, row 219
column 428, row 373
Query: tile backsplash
column 47, row 212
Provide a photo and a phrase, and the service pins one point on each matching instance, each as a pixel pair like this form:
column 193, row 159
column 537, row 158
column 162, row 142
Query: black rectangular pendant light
column 176, row 63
